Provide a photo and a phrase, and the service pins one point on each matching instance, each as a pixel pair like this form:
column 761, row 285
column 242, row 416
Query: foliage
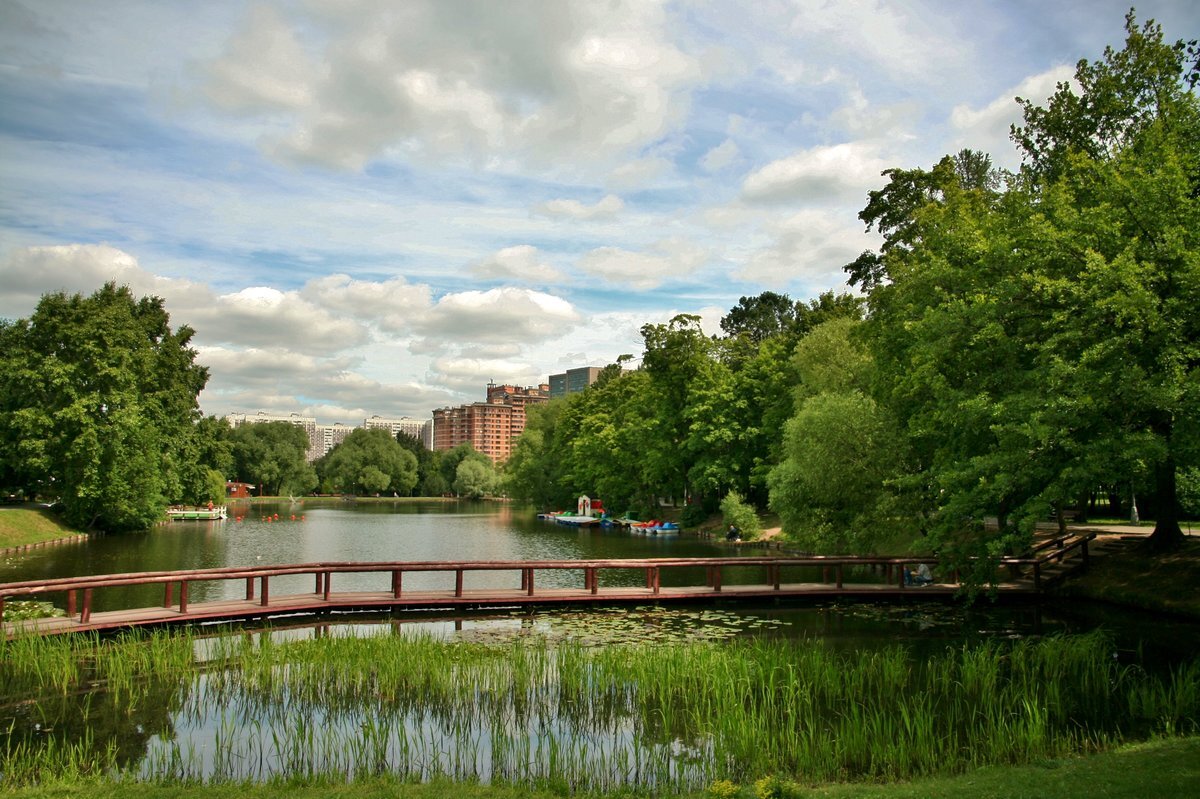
column 734, row 511
column 1036, row 342
column 369, row 461
column 272, row 455
column 475, row 478
column 98, row 408
column 426, row 462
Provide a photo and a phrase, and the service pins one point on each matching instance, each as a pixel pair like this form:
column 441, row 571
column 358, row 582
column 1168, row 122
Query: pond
column 602, row 698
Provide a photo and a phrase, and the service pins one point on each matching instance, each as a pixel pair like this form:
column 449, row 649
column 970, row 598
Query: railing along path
column 258, row 600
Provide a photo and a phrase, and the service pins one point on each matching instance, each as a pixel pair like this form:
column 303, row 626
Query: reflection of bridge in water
column 757, row 578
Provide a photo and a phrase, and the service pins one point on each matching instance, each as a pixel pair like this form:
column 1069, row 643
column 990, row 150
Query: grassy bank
column 1125, row 575
column 1163, row 768
column 21, row 525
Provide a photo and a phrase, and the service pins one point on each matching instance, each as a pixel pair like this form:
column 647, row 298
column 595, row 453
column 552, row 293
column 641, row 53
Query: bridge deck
column 311, row 603
column 1016, row 576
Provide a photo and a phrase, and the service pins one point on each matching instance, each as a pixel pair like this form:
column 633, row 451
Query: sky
column 376, row 207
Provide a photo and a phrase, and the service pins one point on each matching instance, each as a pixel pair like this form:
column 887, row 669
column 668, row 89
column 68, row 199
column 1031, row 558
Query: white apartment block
column 316, row 437
column 420, row 429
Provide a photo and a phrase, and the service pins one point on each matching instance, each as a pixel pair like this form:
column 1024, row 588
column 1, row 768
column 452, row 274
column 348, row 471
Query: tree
column 370, row 461
column 272, row 455
column 424, row 456
column 759, row 318
column 98, row 406
column 1041, row 341
column 475, row 478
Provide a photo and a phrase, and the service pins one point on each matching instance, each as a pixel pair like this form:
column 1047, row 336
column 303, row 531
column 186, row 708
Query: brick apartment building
column 491, row 426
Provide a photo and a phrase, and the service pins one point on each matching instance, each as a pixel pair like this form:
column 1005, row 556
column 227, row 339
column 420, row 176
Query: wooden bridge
column 768, row 579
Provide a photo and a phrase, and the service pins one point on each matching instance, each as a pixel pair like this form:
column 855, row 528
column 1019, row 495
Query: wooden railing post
column 325, row 590
column 839, row 576
column 1037, row 576
column 320, row 579
column 396, row 583
column 716, row 578
column 657, row 579
column 70, row 606
column 901, row 577
column 249, row 588
column 593, row 579
column 168, row 594
column 458, row 582
column 264, row 591
column 529, row 581
column 85, row 615
column 183, row 596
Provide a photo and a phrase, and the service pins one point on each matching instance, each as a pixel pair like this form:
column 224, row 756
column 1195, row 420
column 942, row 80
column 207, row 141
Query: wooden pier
column 759, row 578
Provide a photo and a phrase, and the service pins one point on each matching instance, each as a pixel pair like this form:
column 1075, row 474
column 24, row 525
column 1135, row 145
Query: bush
column 735, row 511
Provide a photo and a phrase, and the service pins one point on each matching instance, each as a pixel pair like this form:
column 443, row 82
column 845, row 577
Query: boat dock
column 757, row 579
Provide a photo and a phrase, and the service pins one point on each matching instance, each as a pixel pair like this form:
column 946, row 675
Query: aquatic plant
column 568, row 712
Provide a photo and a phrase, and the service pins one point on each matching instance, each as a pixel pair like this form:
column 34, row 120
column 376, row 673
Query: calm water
column 379, row 531
column 201, row 730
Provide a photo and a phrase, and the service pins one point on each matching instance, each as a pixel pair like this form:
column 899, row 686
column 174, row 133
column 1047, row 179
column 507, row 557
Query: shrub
column 735, row 511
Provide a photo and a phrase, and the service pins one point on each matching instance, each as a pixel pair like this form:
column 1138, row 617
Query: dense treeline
column 1030, row 339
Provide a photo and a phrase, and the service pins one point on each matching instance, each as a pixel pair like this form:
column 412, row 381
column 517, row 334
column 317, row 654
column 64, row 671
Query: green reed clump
column 661, row 717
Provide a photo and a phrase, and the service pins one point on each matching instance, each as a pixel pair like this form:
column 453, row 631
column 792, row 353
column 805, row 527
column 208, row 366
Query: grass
column 30, row 525
column 1164, row 769
column 667, row 719
column 1128, row 576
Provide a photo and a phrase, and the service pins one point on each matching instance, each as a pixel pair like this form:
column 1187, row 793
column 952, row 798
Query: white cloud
column 639, row 173
column 569, row 83
column 500, row 315
column 516, row 263
column 809, row 247
column 642, row 270
column 720, row 156
column 470, row 375
column 605, row 208
column 840, row 172
column 988, row 128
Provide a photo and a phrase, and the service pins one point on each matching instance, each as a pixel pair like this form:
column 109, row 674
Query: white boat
column 197, row 514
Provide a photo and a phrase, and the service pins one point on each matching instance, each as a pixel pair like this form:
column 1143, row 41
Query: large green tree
column 1041, row 340
column 370, row 461
column 98, row 407
column 272, row 455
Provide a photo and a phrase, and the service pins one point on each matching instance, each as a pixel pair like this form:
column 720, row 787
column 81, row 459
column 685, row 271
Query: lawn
column 28, row 524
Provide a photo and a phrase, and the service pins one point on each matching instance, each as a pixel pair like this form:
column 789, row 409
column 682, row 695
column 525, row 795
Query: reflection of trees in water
column 91, row 714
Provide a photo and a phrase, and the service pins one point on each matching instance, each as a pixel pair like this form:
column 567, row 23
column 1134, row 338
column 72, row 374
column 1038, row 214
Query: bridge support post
column 85, row 615
column 592, row 579
column 264, row 592
column 656, row 581
column 168, row 594
column 396, row 584
column 183, row 596
column 70, row 606
column 249, row 588
column 458, row 582
column 528, row 581
column 325, row 590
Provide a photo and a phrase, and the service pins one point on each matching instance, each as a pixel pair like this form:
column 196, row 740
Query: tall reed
column 663, row 718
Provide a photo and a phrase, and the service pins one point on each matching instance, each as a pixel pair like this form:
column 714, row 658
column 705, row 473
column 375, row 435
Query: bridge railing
column 257, row 579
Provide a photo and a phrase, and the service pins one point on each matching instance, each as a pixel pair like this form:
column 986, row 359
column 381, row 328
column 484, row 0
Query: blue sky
column 372, row 207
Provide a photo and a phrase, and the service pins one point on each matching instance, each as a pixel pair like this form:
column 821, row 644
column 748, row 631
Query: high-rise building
column 420, row 429
column 490, row 427
column 573, row 381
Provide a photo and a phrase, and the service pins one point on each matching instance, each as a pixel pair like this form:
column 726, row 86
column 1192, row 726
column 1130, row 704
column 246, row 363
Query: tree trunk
column 1167, row 535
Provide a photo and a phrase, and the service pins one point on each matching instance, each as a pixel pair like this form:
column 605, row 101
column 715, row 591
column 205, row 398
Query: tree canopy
column 98, row 408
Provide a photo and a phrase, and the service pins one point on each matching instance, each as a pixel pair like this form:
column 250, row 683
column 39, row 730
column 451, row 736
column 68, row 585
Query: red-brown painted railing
column 833, row 572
